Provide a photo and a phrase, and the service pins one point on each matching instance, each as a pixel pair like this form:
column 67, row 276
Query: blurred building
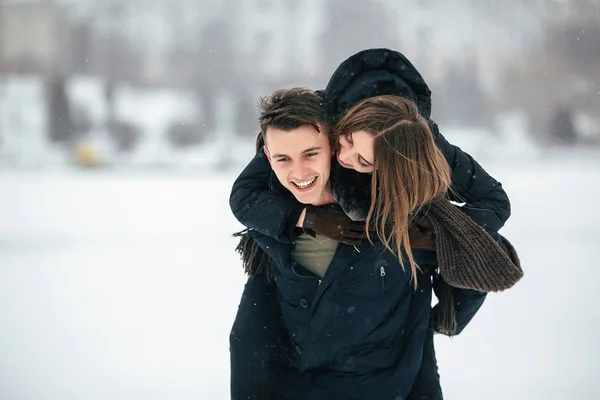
column 438, row 34
column 282, row 36
column 185, row 73
column 32, row 38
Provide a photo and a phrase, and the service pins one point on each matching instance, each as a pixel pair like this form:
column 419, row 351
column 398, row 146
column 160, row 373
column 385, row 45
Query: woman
column 489, row 204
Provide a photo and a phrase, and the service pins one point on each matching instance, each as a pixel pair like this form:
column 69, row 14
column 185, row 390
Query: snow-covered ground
column 118, row 286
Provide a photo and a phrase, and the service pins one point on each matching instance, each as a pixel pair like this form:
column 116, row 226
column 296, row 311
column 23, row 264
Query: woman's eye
column 363, row 163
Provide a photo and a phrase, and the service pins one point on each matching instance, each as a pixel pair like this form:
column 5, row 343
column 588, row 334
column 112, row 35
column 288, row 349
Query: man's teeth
column 303, row 185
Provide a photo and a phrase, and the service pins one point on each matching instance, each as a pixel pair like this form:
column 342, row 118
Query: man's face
column 301, row 159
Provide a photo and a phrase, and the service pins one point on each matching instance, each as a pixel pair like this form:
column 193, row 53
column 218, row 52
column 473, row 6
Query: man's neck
column 325, row 198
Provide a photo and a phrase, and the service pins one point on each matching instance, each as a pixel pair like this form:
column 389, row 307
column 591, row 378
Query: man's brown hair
column 284, row 109
column 288, row 109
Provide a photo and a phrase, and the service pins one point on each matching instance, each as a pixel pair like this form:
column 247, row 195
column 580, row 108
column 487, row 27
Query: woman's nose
column 345, row 152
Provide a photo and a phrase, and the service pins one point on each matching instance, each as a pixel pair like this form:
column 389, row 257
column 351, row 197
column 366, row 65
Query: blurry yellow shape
column 86, row 156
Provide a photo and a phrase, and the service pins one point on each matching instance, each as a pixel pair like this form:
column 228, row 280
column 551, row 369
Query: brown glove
column 332, row 222
column 420, row 232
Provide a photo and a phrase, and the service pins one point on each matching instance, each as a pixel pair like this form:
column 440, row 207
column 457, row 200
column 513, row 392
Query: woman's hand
column 420, row 232
column 332, row 222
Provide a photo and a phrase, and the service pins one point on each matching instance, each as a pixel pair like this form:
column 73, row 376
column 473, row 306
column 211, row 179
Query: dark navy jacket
column 467, row 302
column 366, row 74
column 359, row 332
column 275, row 215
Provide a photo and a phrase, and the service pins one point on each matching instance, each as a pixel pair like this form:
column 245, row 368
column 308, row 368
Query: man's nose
column 300, row 170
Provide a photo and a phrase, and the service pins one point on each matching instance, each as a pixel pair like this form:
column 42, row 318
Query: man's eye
column 282, row 159
column 311, row 154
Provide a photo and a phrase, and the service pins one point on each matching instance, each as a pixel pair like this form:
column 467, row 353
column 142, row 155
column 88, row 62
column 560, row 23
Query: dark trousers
column 258, row 337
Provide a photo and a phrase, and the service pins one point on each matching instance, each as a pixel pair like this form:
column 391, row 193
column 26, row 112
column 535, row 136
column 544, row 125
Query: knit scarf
column 468, row 258
column 254, row 258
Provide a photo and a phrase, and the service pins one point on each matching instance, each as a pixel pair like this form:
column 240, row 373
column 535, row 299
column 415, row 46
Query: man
column 295, row 140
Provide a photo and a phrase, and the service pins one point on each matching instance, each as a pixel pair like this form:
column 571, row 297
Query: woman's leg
column 253, row 337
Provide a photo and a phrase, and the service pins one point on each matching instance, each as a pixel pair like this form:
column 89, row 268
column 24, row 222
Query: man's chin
column 306, row 199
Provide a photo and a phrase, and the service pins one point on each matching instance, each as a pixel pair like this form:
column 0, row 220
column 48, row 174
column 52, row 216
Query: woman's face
column 356, row 151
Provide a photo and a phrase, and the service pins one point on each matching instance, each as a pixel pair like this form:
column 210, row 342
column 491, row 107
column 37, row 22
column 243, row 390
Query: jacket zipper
column 380, row 269
column 382, row 274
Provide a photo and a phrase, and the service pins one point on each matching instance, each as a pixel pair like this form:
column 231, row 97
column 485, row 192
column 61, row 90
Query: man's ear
column 267, row 153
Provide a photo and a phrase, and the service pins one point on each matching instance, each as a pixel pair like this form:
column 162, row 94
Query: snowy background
column 123, row 124
column 120, row 286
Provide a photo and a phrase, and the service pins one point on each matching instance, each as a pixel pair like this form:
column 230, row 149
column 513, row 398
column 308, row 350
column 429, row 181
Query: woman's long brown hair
column 409, row 169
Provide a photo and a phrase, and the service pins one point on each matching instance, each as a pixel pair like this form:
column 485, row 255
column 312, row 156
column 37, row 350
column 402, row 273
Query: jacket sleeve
column 256, row 206
column 256, row 330
column 466, row 304
column 486, row 201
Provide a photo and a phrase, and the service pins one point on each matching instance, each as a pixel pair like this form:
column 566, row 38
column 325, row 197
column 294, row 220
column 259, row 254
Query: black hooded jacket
column 369, row 73
column 262, row 204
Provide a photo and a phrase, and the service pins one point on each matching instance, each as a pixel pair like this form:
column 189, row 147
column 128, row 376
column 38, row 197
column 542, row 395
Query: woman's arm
column 486, row 201
column 258, row 207
column 261, row 203
column 276, row 215
column 466, row 304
